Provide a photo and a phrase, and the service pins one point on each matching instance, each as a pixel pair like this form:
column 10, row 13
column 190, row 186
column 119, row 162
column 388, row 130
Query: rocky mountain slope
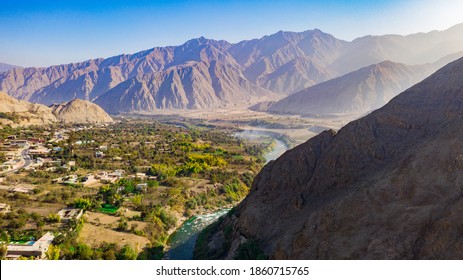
column 205, row 73
column 17, row 112
column 196, row 85
column 5, row 67
column 287, row 61
column 80, row 111
column 386, row 186
column 358, row 92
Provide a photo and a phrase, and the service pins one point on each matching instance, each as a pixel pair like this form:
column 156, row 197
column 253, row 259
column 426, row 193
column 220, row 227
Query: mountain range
column 357, row 92
column 386, row 186
column 204, row 73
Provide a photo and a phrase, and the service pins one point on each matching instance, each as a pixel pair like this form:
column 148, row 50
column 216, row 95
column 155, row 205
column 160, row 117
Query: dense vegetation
column 185, row 172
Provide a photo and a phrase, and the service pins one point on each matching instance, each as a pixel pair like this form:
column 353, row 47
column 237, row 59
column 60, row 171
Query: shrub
column 53, row 218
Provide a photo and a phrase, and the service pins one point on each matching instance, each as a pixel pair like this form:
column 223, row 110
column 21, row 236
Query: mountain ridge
column 5, row 67
column 386, row 186
column 282, row 63
column 357, row 92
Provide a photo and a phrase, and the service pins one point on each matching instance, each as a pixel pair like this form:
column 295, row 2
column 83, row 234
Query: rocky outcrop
column 16, row 112
column 80, row 111
column 386, row 186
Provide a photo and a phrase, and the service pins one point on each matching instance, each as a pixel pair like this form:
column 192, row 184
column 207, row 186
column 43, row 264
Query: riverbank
column 182, row 240
column 279, row 143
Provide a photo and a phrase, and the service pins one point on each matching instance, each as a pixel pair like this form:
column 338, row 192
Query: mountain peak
column 203, row 41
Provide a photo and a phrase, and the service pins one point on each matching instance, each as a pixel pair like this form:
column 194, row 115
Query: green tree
column 53, row 252
column 137, row 200
column 53, row 218
column 83, row 252
column 127, row 253
column 82, row 203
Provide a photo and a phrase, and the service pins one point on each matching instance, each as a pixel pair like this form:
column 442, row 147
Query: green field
column 108, row 209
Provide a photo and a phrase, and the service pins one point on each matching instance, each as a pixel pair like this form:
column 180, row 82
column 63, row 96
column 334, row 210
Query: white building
column 35, row 249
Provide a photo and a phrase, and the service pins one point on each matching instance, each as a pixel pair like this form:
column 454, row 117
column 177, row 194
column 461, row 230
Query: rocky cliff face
column 288, row 61
column 358, row 92
column 206, row 73
column 387, row 186
column 80, row 111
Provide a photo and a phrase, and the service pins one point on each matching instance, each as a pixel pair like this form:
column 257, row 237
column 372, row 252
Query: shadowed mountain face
column 205, row 73
column 413, row 49
column 357, row 92
column 387, row 186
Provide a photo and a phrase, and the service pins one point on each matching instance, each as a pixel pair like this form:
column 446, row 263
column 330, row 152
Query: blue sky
column 43, row 33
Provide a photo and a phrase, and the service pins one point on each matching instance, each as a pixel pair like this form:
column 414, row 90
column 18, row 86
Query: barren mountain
column 80, row 111
column 196, row 85
column 17, row 112
column 90, row 79
column 288, row 61
column 5, row 67
column 386, row 186
column 218, row 74
column 357, row 92
column 413, row 49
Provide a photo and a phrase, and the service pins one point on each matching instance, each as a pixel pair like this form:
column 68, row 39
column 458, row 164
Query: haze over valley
column 205, row 73
column 291, row 145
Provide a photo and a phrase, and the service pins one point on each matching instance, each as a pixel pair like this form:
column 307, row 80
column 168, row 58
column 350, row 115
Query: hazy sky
column 43, row 33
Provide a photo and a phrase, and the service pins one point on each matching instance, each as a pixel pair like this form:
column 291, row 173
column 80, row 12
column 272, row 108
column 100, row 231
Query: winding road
column 24, row 163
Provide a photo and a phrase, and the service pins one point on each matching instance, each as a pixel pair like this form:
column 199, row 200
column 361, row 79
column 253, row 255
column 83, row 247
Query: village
column 117, row 191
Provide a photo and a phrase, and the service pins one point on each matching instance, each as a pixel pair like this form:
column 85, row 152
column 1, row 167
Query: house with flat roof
column 22, row 189
column 68, row 214
column 39, row 152
column 19, row 143
column 34, row 249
